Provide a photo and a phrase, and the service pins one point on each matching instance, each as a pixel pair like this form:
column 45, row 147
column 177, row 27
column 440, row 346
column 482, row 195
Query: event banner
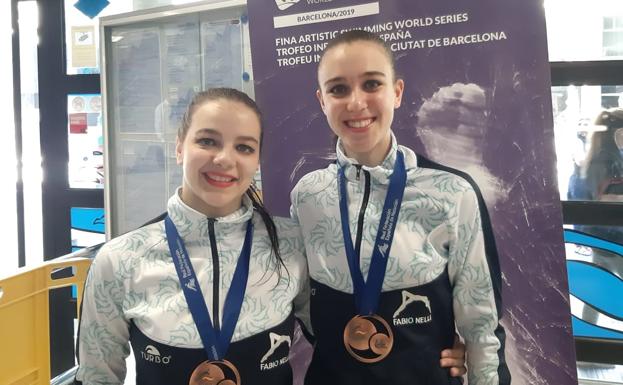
column 477, row 98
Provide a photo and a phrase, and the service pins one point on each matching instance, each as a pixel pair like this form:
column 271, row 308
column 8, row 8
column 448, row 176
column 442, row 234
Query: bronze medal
column 368, row 338
column 215, row 373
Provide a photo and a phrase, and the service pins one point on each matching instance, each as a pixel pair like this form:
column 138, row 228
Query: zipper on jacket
column 362, row 210
column 358, row 167
column 216, row 276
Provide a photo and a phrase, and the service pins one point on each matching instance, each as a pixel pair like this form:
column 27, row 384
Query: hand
column 454, row 358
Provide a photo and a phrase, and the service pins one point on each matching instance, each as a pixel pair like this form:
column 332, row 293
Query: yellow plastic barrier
column 24, row 320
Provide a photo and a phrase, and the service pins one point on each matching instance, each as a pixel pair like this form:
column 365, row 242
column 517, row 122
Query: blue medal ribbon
column 367, row 292
column 215, row 342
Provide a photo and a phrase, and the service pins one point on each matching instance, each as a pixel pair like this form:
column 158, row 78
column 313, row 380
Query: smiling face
column 358, row 95
column 219, row 155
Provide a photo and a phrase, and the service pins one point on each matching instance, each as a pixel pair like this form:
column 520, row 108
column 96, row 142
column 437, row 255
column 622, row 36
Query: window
column 584, row 30
column 613, row 36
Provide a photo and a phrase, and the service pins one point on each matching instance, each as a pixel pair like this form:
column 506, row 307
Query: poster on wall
column 85, row 141
column 477, row 98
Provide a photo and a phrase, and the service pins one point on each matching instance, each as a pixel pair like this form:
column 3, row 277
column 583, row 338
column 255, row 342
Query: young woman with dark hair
column 207, row 295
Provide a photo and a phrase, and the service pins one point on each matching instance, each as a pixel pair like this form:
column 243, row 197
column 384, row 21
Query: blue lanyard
column 367, row 293
column 215, row 342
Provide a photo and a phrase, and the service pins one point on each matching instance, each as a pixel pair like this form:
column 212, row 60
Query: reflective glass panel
column 588, row 129
column 154, row 68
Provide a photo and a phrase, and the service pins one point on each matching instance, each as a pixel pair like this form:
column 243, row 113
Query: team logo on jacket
column 268, row 361
column 285, row 4
column 424, row 313
column 151, row 354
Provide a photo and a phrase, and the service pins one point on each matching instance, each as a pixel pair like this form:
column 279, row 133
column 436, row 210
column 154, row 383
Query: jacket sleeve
column 301, row 304
column 103, row 332
column 294, row 215
column 302, row 301
column 476, row 295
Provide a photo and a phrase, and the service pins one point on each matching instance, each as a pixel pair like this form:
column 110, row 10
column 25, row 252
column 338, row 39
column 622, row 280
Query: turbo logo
column 151, row 354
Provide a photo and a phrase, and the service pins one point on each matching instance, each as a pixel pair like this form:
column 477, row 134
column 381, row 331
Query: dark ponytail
column 259, row 207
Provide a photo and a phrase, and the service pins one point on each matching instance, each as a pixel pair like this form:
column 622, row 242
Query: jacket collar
column 189, row 221
column 382, row 172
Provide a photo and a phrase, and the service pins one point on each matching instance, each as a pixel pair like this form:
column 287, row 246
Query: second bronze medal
column 368, row 339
